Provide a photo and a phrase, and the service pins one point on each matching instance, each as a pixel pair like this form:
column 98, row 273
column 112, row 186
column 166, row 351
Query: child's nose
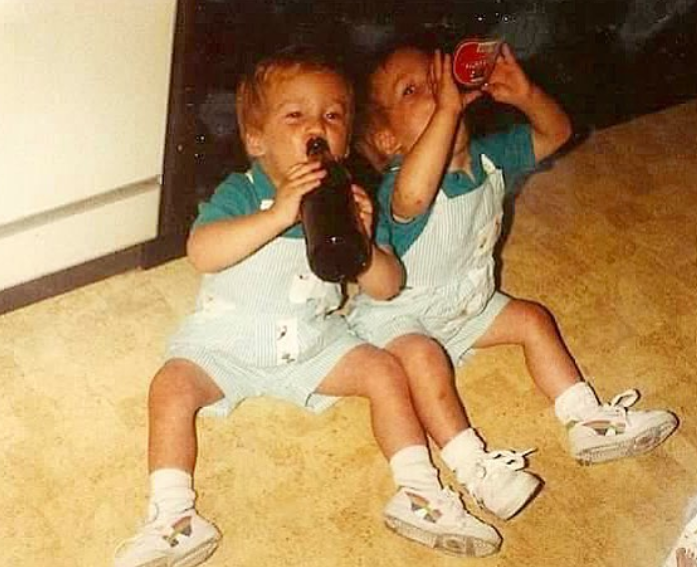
column 315, row 126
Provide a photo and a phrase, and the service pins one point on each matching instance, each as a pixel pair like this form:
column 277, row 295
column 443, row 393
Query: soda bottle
column 338, row 249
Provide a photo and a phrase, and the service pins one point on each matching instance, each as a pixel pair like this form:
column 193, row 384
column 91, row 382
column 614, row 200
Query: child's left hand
column 508, row 83
column 365, row 208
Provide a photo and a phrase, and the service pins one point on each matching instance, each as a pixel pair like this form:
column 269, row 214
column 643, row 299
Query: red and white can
column 474, row 60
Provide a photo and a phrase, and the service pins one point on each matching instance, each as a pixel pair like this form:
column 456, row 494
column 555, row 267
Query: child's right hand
column 445, row 89
column 300, row 179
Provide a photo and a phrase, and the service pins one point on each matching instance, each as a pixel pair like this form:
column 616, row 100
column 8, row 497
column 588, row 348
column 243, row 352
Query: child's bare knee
column 387, row 376
column 175, row 385
column 538, row 319
column 417, row 349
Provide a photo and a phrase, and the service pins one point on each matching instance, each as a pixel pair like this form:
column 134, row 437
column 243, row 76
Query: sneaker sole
column 197, row 555
column 453, row 544
column 529, row 487
column 643, row 443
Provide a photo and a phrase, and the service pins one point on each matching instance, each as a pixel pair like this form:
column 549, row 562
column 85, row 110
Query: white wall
column 83, row 92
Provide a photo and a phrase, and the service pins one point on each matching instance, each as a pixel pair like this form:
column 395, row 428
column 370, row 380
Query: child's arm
column 221, row 244
column 384, row 277
column 509, row 84
column 420, row 176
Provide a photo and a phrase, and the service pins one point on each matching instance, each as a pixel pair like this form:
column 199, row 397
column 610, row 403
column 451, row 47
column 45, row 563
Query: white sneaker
column 184, row 540
column 501, row 486
column 684, row 552
column 440, row 521
column 613, row 431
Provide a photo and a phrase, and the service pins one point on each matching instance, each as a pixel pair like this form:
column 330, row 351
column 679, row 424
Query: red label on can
column 473, row 61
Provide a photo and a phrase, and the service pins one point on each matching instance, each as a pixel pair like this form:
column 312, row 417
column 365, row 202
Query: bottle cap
column 316, row 145
column 473, row 61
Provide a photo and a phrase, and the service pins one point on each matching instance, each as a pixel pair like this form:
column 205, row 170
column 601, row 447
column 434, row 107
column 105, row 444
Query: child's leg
column 174, row 531
column 368, row 372
column 432, row 384
column 177, row 392
column 421, row 509
column 531, row 326
column 496, row 480
column 596, row 433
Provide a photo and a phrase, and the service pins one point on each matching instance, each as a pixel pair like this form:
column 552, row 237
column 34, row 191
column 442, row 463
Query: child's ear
column 386, row 142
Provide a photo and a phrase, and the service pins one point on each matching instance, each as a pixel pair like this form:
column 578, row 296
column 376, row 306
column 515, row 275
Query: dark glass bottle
column 338, row 249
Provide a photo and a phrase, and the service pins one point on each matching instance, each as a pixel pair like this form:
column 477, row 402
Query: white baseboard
column 54, row 241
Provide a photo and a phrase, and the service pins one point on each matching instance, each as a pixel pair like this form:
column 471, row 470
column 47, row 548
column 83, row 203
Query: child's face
column 402, row 87
column 300, row 106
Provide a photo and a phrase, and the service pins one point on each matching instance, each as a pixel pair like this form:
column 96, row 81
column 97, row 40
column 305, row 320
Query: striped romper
column 266, row 325
column 448, row 252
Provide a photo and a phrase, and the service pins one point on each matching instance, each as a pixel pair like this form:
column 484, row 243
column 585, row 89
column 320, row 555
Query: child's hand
column 443, row 85
column 446, row 92
column 300, row 179
column 508, row 83
column 365, row 208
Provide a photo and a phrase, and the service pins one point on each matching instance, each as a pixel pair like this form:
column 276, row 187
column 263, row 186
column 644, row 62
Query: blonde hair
column 251, row 98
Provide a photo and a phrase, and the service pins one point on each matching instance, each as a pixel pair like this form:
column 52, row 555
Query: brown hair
column 253, row 88
column 371, row 117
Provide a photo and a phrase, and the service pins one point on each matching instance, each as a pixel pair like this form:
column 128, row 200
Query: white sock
column 171, row 491
column 461, row 454
column 575, row 403
column 412, row 468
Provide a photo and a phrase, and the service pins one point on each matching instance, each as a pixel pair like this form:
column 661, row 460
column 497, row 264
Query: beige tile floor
column 607, row 239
